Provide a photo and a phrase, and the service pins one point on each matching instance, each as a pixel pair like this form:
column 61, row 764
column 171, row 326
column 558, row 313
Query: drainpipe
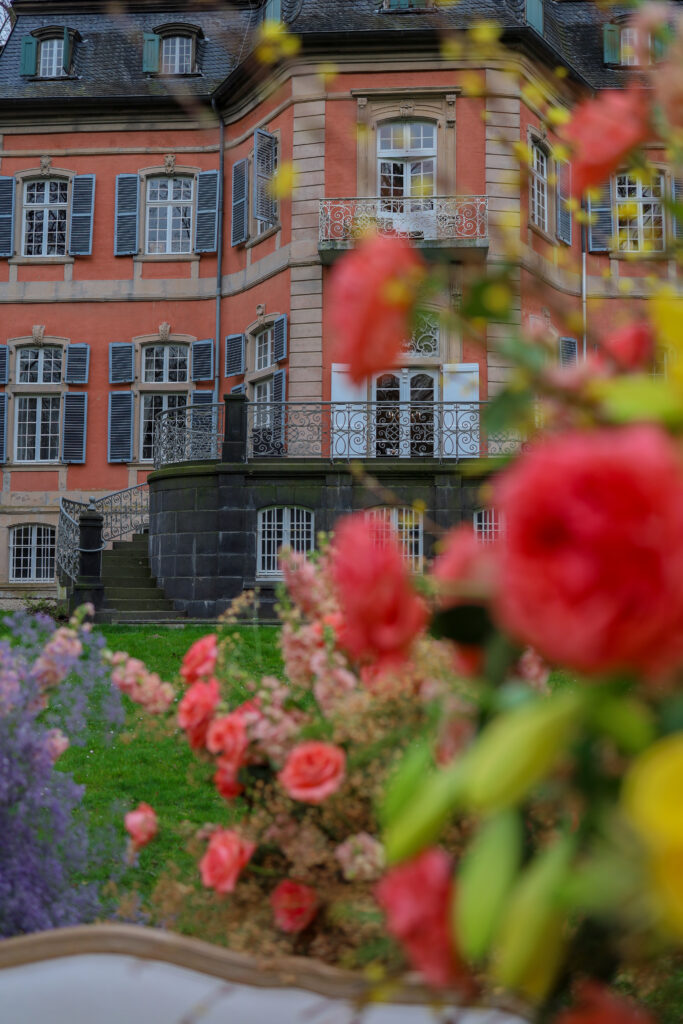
column 219, row 262
column 584, row 241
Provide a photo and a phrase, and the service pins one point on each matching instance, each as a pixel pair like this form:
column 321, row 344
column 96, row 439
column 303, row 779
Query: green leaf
column 638, row 397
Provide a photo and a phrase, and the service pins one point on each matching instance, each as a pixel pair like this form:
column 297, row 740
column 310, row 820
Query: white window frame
column 295, row 530
column 407, row 525
column 164, row 396
column 168, row 350
column 51, row 58
column 47, row 207
column 538, row 188
column 41, row 354
column 174, row 58
column 640, row 201
column 262, row 394
column 411, row 211
column 400, row 414
column 169, row 205
column 41, row 548
column 489, row 525
column 263, row 349
column 19, row 400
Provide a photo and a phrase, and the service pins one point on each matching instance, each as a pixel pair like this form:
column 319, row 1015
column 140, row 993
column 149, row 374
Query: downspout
column 219, row 261
column 583, row 286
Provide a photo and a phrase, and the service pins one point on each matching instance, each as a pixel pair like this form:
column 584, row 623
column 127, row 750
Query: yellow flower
column 283, row 181
column 653, row 794
column 274, row 42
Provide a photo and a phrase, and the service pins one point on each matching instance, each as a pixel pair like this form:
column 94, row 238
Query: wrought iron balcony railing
column 193, row 433
column 458, row 219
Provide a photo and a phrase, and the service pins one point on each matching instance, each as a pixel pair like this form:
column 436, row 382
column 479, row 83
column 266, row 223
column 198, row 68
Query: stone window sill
column 636, row 257
column 36, row 261
column 254, row 376
column 167, row 257
column 35, row 467
column 261, row 238
column 542, row 234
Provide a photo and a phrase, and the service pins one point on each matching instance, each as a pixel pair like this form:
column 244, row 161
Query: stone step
column 127, row 572
column 130, row 545
column 116, row 590
column 114, row 615
column 157, row 600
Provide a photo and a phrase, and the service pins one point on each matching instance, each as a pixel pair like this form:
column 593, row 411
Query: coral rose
column 226, row 855
column 632, row 347
column 196, row 710
column 225, row 779
column 227, row 736
column 200, row 660
column 603, row 131
column 591, row 573
column 381, row 612
column 416, row 898
column 373, row 291
column 294, row 905
column 597, row 1005
column 313, row 771
column 141, row 825
column 463, row 572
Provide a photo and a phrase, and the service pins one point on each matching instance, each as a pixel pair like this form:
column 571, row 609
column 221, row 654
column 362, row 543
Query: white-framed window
column 32, row 553
column 406, row 170
column 51, row 58
column 538, row 188
column 36, row 428
column 640, row 214
column 405, row 523
column 39, row 365
column 629, row 46
column 279, row 527
column 489, row 525
column 404, row 413
column 264, row 349
column 177, row 55
column 165, row 364
column 150, row 407
column 169, row 215
column 45, row 217
column 262, row 395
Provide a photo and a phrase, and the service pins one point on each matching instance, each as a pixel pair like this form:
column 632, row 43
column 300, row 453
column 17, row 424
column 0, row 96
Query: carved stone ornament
column 45, row 165
column 260, row 311
column 406, row 109
column 450, row 108
column 169, row 163
column 164, row 332
column 38, row 333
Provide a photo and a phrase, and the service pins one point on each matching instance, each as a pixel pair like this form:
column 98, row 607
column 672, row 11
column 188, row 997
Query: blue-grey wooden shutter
column 206, row 225
column 121, row 360
column 4, row 364
column 29, row 56
column 67, row 51
column 279, row 393
column 600, row 229
column 677, row 196
column 3, row 427
column 564, row 214
column 235, row 345
column 120, row 434
column 280, row 338
column 660, row 42
column 151, row 44
column 534, row 14
column 264, row 169
column 238, row 389
column 611, row 44
column 202, row 359
column 126, row 214
column 239, row 231
column 74, row 427
column 8, row 187
column 77, row 364
column 569, row 352
column 82, row 213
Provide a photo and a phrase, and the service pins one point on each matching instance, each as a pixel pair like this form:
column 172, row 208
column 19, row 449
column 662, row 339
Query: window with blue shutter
column 126, row 214
column 265, row 209
column 82, row 213
column 600, row 228
column 677, row 215
column 569, row 352
column 280, row 339
column 77, row 364
column 202, row 359
column 611, row 44
column 74, row 427
column 206, row 225
column 29, row 56
column 8, row 187
column 121, row 362
column 238, row 389
column 4, row 364
column 279, row 393
column 239, row 231
column 564, row 188
column 235, row 346
column 151, row 48
column 120, row 433
column 3, row 427
column 534, row 14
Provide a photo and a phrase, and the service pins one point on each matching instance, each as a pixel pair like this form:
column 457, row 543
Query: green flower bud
column 421, row 820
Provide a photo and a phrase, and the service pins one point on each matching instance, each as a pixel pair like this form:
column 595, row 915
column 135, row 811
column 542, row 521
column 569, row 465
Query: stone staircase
column 130, row 591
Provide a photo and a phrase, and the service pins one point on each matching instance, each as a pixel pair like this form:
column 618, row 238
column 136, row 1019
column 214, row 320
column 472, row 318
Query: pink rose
column 295, row 905
column 56, row 743
column 591, row 574
column 200, row 659
column 632, row 347
column 195, row 711
column 141, row 825
column 361, row 858
column 313, row 771
column 225, row 779
column 464, row 570
column 227, row 736
column 227, row 854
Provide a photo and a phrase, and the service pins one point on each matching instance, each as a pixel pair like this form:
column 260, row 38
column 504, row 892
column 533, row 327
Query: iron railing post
column 88, row 586
column 235, row 436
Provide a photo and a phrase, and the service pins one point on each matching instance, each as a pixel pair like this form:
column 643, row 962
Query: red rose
column 227, row 736
column 295, row 905
column 226, row 855
column 597, row 1005
column 200, row 659
column 373, row 290
column 591, row 573
column 313, row 771
column 603, row 131
column 416, row 898
column 195, row 711
column 225, row 779
column 381, row 612
column 141, row 825
column 632, row 347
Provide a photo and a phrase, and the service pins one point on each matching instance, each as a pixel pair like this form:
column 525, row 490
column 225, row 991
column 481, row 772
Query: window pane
column 264, row 349
column 51, row 57
column 27, row 416
column 45, row 205
column 28, row 365
column 32, row 553
column 52, row 366
column 177, row 363
column 169, row 215
column 49, row 428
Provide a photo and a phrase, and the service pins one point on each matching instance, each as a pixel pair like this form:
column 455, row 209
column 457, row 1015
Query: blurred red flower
column 227, row 735
column 196, row 710
column 372, row 293
column 226, row 855
column 225, row 778
column 141, row 825
column 591, row 573
column 464, row 570
column 597, row 1005
column 313, row 771
column 294, row 905
column 632, row 347
column 200, row 659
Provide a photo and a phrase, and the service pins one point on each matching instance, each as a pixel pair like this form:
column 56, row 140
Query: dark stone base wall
column 203, row 517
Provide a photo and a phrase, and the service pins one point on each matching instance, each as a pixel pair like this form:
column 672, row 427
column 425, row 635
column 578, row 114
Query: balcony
column 433, row 223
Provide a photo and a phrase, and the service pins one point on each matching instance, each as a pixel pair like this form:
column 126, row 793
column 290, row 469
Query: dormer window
column 51, row 58
column 176, row 55
column 171, row 50
column 48, row 53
